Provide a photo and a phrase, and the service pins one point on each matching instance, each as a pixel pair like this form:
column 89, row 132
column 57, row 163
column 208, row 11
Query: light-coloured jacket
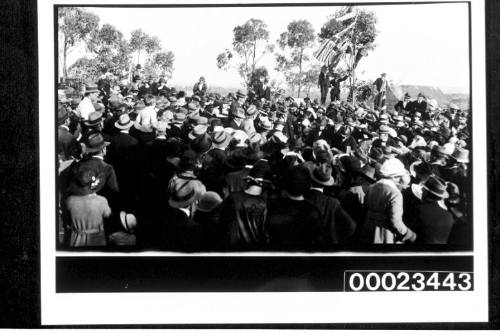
column 384, row 219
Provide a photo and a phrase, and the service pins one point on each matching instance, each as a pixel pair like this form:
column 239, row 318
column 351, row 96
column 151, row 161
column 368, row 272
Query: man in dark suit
column 66, row 142
column 123, row 154
column 404, row 106
column 434, row 223
column 200, row 88
column 337, row 225
column 420, row 105
column 323, row 84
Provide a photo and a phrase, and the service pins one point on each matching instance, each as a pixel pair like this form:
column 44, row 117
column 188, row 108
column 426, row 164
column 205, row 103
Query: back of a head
column 189, row 160
column 297, row 180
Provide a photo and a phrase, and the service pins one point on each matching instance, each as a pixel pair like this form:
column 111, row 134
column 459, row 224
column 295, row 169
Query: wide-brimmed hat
column 124, row 122
column 420, row 167
column 209, row 201
column 279, row 137
column 266, row 124
column 197, row 131
column 179, row 118
column 436, row 186
column 439, row 151
column 392, row 167
column 84, row 181
column 128, row 221
column 323, row 175
column 183, row 192
column 94, row 119
column 91, row 88
column 201, row 144
column 383, row 119
column 383, row 129
column 252, row 153
column 241, row 94
column 251, row 110
column 461, row 155
column 367, row 172
column 94, row 143
column 220, row 139
column 240, row 137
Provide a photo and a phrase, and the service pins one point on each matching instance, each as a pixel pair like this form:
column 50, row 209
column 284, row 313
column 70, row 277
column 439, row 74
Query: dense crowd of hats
column 174, row 171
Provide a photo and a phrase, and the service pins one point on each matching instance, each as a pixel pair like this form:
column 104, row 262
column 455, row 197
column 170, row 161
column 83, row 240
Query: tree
column 285, row 67
column 75, row 25
column 160, row 64
column 298, row 37
column 110, row 53
column 360, row 35
column 311, row 78
column 139, row 41
column 250, row 43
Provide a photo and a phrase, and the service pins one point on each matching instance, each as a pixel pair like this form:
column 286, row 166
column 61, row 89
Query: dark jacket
column 197, row 91
column 66, row 143
column 243, row 217
column 434, row 223
column 294, row 225
column 337, row 226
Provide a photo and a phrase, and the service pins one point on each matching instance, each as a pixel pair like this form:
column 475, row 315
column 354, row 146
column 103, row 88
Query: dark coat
column 434, row 223
column 67, row 144
column 419, row 106
column 337, row 225
column 197, row 91
column 294, row 225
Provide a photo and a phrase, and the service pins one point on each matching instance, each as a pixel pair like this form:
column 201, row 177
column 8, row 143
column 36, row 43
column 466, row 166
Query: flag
column 332, row 47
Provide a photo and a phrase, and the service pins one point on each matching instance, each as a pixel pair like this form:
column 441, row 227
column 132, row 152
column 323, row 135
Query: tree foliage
column 161, row 64
column 75, row 25
column 250, row 44
column 111, row 54
column 139, row 41
column 298, row 37
column 361, row 37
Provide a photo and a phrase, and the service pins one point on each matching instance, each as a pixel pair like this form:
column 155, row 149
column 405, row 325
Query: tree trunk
column 65, row 52
column 253, row 60
column 300, row 72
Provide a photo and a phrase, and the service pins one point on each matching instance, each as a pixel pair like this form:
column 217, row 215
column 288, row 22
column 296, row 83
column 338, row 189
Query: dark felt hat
column 323, row 175
column 436, row 186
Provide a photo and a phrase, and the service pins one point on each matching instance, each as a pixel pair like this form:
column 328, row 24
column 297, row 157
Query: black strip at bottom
column 232, row 274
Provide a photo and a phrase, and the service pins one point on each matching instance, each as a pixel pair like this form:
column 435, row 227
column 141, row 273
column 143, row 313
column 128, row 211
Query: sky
column 424, row 44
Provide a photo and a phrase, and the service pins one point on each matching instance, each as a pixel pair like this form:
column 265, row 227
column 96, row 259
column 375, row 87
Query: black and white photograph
column 219, row 163
column 326, row 127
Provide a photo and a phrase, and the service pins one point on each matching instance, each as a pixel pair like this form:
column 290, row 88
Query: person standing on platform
column 323, row 83
column 380, row 88
column 200, row 88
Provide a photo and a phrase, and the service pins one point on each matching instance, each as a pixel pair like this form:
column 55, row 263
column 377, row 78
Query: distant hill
column 460, row 99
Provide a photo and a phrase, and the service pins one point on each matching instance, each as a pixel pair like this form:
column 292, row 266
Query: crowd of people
column 142, row 164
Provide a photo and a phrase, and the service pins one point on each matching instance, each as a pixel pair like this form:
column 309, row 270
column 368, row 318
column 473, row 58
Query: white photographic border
column 252, row 307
